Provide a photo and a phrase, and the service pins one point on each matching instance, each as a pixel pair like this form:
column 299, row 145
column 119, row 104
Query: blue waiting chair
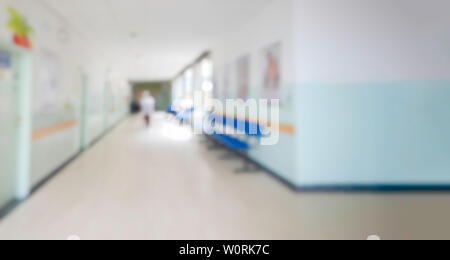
column 233, row 143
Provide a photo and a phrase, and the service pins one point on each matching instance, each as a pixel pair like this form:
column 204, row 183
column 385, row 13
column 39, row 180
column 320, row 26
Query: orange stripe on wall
column 285, row 128
column 50, row 130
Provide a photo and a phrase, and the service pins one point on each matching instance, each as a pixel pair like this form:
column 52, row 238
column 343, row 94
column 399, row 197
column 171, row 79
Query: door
column 83, row 115
column 106, row 105
column 8, row 123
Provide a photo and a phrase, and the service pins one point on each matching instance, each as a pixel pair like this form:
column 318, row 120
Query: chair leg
column 228, row 156
column 204, row 140
column 214, row 147
column 249, row 166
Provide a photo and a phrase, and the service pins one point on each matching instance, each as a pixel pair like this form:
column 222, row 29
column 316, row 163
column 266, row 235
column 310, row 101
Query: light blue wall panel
column 372, row 134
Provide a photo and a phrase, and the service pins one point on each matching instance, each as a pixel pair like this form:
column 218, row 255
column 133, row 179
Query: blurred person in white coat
column 147, row 106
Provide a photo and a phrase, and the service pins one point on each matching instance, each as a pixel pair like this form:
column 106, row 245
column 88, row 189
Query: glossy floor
column 162, row 183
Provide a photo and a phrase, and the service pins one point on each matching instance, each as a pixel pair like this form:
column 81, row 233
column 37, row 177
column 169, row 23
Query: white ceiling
column 169, row 33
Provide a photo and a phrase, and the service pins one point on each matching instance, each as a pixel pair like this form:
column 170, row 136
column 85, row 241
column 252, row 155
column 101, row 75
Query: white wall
column 372, row 92
column 365, row 40
column 370, row 88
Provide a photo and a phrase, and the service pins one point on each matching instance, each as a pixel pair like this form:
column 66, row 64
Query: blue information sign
column 5, row 59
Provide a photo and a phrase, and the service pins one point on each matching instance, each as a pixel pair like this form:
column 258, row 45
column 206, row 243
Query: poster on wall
column 226, row 82
column 243, row 77
column 95, row 101
column 216, row 83
column 54, row 102
column 20, row 28
column 271, row 57
column 5, row 68
column 47, row 92
column 188, row 83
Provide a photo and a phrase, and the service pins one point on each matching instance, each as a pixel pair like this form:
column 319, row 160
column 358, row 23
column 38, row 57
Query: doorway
column 161, row 91
column 15, row 126
column 83, row 115
column 8, row 125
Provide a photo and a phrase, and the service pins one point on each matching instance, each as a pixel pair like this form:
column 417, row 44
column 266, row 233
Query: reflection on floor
column 162, row 183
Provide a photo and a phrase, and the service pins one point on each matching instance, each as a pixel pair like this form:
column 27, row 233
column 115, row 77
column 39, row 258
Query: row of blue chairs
column 182, row 116
column 230, row 142
column 239, row 144
column 171, row 111
column 251, row 129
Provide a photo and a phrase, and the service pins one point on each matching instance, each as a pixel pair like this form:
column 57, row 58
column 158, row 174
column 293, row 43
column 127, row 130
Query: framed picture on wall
column 226, row 90
column 5, row 67
column 48, row 92
column 271, row 66
column 217, row 84
column 243, row 77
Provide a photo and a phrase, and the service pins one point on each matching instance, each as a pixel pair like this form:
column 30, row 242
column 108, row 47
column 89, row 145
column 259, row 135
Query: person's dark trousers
column 147, row 120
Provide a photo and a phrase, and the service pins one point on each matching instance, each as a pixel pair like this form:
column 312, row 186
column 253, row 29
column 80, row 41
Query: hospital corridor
column 152, row 189
column 208, row 122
